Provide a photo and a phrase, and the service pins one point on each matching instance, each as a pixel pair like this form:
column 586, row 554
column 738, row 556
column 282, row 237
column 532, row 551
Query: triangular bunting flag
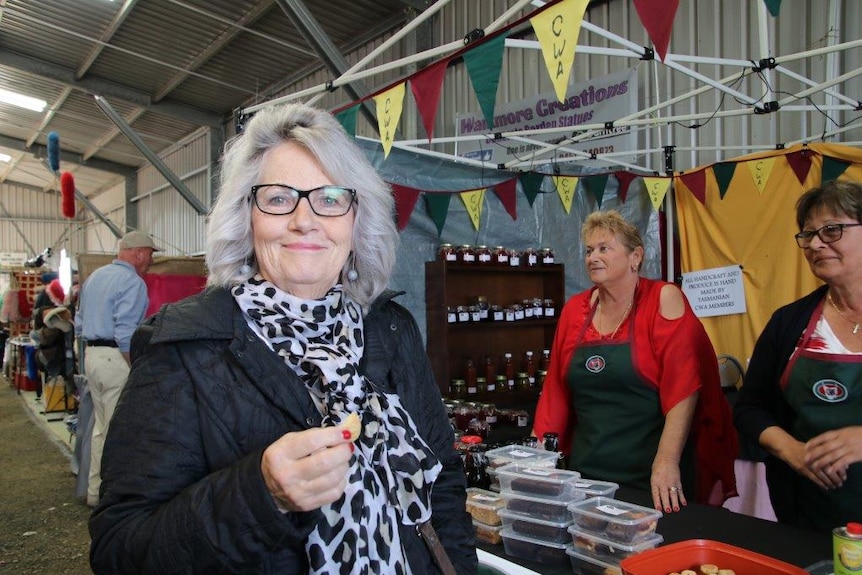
column 773, row 6
column 596, row 185
column 625, row 179
column 347, row 118
column 437, row 206
column 557, row 30
column 405, row 201
column 696, row 184
column 832, row 168
column 656, row 189
column 389, row 105
column 484, row 63
column 473, row 201
column 506, row 192
column 723, row 174
column 566, row 186
column 426, row 87
column 800, row 162
column 760, row 171
column 657, row 17
column 531, row 183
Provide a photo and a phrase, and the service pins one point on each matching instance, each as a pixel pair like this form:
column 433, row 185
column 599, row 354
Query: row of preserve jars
column 498, row 256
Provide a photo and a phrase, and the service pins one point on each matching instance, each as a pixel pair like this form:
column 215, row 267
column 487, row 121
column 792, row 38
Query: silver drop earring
column 352, row 274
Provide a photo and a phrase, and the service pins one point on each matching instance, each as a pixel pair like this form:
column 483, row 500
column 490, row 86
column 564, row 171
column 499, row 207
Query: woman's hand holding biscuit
column 307, row 469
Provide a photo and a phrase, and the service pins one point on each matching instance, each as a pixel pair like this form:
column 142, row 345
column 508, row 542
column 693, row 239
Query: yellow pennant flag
column 473, row 202
column 657, row 188
column 557, row 30
column 566, row 186
column 760, row 170
column 389, row 105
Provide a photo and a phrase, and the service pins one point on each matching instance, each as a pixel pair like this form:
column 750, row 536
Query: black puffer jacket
column 182, row 490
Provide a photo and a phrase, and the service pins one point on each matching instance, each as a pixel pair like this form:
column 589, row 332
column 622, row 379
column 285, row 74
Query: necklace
column 622, row 319
column 856, row 326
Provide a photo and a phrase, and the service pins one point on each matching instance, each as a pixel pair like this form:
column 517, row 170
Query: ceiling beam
column 40, row 151
column 298, row 13
column 105, row 88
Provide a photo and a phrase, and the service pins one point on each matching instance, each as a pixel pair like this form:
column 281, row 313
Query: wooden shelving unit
column 449, row 345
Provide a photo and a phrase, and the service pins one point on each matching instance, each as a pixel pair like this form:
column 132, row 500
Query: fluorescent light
column 21, row 100
column 5, row 158
column 538, row 3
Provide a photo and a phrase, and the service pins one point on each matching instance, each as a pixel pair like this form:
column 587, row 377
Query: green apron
column 619, row 417
column 825, row 392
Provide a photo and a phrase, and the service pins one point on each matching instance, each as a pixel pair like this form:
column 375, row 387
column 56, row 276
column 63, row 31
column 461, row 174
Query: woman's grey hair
column 839, row 197
column 230, row 249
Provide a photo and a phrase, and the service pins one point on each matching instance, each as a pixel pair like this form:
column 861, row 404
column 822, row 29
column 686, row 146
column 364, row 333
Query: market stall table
column 695, row 521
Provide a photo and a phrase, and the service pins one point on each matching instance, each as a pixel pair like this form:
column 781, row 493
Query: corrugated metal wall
column 30, row 221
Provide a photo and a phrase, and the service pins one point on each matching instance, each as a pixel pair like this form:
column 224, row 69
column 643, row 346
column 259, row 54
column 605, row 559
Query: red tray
column 693, row 553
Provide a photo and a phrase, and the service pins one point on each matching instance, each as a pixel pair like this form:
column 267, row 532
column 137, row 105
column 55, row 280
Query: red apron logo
column 595, row 363
column 830, row 391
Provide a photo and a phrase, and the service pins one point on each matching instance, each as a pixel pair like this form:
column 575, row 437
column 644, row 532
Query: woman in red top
column 633, row 386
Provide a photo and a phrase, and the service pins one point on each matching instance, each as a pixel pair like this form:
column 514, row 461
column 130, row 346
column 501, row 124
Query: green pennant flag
column 723, row 174
column 832, row 168
column 484, row 63
column 437, row 206
column 773, row 6
column 347, row 118
column 596, row 185
column 531, row 183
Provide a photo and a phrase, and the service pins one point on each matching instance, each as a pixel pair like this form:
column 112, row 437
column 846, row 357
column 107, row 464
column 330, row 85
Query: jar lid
column 471, row 439
column 854, row 529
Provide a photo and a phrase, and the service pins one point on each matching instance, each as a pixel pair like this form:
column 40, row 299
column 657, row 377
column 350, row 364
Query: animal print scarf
column 393, row 468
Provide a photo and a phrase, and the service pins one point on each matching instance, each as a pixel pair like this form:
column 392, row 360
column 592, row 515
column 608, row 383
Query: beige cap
column 137, row 240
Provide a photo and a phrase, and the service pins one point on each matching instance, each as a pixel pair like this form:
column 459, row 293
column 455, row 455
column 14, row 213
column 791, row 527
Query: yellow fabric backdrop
column 755, row 231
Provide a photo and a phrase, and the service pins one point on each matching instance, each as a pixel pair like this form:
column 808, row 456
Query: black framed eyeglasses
column 827, row 234
column 281, row 199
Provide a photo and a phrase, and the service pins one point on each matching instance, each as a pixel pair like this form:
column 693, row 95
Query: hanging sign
column 12, row 259
column 716, row 291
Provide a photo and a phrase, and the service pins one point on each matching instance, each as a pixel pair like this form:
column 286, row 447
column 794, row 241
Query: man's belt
column 101, row 343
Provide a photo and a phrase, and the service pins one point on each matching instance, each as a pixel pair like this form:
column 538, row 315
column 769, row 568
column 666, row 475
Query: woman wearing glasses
column 229, row 451
column 802, row 398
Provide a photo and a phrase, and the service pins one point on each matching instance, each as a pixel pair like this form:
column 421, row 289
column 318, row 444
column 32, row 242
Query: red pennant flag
column 405, row 201
column 506, row 192
column 426, row 87
column 696, row 183
column 625, row 179
column 657, row 17
column 800, row 162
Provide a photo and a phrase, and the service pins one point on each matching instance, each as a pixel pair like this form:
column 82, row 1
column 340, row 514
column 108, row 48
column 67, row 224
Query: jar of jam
column 496, row 313
column 463, row 415
column 483, row 255
column 501, row 384
column 514, row 258
column 466, row 254
column 522, row 418
column 548, row 307
column 446, row 253
column 546, row 256
column 458, row 389
column 481, row 302
column 522, row 380
column 531, row 441
column 489, row 412
column 479, row 427
column 531, row 257
column 481, row 384
column 500, row 256
column 540, row 377
column 509, row 313
column 538, row 308
column 528, row 308
column 518, row 309
column 551, row 441
column 451, row 314
column 475, row 314
column 463, row 313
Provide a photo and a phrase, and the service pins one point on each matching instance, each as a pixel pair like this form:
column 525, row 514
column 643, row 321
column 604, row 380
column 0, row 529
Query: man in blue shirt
column 113, row 301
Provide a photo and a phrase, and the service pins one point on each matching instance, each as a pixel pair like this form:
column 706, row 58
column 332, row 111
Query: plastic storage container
column 525, row 524
column 488, row 533
column 483, row 506
column 595, row 488
column 603, row 549
column 615, row 520
column 584, row 565
column 538, row 508
column 536, row 481
column 520, row 454
column 693, row 553
column 534, row 549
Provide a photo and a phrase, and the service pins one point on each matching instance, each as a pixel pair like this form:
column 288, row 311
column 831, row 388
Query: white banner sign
column 716, row 291
column 12, row 259
column 597, row 101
